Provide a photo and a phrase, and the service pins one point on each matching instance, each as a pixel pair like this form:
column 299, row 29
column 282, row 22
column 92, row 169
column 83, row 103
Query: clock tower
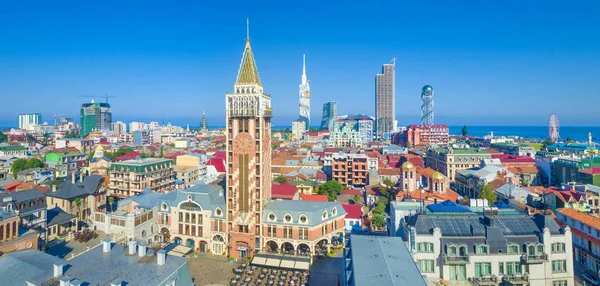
column 248, row 112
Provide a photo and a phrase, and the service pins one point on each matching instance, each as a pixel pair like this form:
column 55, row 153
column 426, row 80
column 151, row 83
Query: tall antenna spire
column 304, row 77
column 247, row 28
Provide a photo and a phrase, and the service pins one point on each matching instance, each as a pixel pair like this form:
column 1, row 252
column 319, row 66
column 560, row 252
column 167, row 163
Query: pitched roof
column 58, row 216
column 218, row 163
column 248, row 73
column 584, row 218
column 353, row 211
column 389, row 171
column 283, row 191
column 68, row 190
column 314, row 198
column 312, row 210
column 427, row 172
column 591, row 171
column 353, row 192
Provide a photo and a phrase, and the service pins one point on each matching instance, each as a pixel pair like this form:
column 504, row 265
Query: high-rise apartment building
column 136, row 126
column 305, row 96
column 27, row 121
column 329, row 115
column 248, row 120
column 385, row 93
column 119, row 127
column 350, row 170
column 298, row 128
column 95, row 117
column 203, row 126
column 351, row 131
column 422, row 135
column 427, row 105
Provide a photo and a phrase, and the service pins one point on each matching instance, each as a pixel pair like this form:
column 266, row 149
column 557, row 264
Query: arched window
column 303, row 219
column 325, row 215
column 531, row 250
column 218, row 212
column 189, row 206
column 452, row 250
column 334, row 211
column 540, row 249
column 272, row 217
column 288, row 218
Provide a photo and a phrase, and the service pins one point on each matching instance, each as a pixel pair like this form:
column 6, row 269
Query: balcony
column 455, row 260
column 534, row 259
column 489, row 280
column 516, row 279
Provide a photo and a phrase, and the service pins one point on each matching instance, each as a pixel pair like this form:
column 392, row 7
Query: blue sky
column 490, row 63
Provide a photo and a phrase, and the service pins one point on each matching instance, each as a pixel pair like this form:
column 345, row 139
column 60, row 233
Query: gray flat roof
column 98, row 268
column 381, row 260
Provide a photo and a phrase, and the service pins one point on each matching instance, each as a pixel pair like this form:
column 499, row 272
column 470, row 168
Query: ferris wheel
column 553, row 128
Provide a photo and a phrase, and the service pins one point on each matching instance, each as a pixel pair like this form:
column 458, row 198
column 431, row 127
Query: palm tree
column 111, row 201
column 78, row 204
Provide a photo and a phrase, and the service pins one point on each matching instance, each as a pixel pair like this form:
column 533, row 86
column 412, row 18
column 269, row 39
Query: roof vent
column 64, row 281
column 132, row 244
column 162, row 257
column 142, row 249
column 106, row 245
column 116, row 282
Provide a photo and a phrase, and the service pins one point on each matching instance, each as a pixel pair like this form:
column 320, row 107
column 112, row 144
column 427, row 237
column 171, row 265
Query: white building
column 453, row 243
column 298, row 127
column 136, row 126
column 119, row 127
column 27, row 121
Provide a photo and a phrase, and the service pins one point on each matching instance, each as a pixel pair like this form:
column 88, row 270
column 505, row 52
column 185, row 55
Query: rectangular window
column 559, row 266
column 513, row 268
column 303, row 232
column 558, row 248
column 559, row 283
column 287, row 232
column 427, row 266
column 482, row 249
column 501, row 268
column 483, row 269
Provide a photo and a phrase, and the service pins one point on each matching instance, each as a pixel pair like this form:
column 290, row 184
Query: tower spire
column 304, row 77
column 248, row 73
column 247, row 29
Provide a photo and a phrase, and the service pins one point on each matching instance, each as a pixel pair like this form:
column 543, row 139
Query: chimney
column 81, row 177
column 75, row 282
column 132, row 245
column 58, row 269
column 116, row 282
column 106, row 245
column 54, row 188
column 162, row 257
column 64, row 281
column 73, row 177
column 142, row 249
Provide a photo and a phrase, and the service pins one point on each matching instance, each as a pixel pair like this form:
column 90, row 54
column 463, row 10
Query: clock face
column 243, row 143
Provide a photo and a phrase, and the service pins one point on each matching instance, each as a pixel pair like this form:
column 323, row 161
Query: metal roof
column 379, row 260
column 311, row 209
column 27, row 265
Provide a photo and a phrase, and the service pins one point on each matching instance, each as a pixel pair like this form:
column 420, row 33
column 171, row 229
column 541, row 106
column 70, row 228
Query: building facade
column 350, row 170
column 298, row 128
column 449, row 160
column 128, row 178
column 66, row 162
column 422, row 135
column 95, row 117
column 79, row 197
column 27, row 121
column 119, row 127
column 385, row 97
column 304, row 89
column 351, row 131
column 329, row 115
column 465, row 248
column 586, row 236
column 248, row 122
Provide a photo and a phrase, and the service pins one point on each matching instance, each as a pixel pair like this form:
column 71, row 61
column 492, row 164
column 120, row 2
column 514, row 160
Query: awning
column 280, row 261
column 177, row 250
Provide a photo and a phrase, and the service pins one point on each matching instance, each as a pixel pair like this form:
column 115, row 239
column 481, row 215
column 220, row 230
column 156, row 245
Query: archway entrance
column 218, row 244
column 303, row 249
column 271, row 246
column 287, row 248
column 177, row 240
column 337, row 239
column 322, row 247
column 242, row 248
column 166, row 235
column 190, row 243
column 203, row 246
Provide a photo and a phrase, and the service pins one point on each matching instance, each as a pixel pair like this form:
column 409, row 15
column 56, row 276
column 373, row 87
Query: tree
column 378, row 220
column 382, row 201
column 379, row 209
column 331, row 188
column 388, row 183
column 111, row 201
column 489, row 194
column 569, row 140
column 3, row 137
column 34, row 163
column 78, row 203
column 465, row 131
column 281, row 179
column 18, row 166
column 356, row 199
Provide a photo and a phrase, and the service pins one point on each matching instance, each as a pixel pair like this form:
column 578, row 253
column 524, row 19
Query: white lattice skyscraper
column 305, row 96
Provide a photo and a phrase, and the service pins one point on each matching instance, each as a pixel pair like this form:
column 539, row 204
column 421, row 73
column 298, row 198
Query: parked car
column 590, row 279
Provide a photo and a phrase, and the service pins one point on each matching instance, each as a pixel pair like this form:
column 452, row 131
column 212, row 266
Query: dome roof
column 407, row 165
column 437, row 175
column 428, row 88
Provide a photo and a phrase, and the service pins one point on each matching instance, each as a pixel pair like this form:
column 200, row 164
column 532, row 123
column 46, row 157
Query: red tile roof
column 128, row 156
column 389, row 171
column 218, row 163
column 353, row 211
column 584, row 218
column 284, row 191
column 172, row 156
column 220, row 154
column 314, row 198
column 331, row 150
column 506, row 158
column 321, row 175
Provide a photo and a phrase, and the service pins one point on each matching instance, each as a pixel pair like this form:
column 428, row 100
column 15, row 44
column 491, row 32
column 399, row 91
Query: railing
column 488, row 280
column 534, row 258
column 455, row 259
column 516, row 279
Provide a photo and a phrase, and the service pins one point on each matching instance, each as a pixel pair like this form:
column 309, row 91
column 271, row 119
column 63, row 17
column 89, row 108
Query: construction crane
column 57, row 115
column 106, row 96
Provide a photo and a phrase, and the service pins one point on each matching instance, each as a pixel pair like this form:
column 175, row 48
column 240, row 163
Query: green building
column 95, row 117
column 577, row 170
column 65, row 163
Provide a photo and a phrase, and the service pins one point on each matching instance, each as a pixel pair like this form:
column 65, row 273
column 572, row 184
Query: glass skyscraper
column 95, row 117
column 329, row 115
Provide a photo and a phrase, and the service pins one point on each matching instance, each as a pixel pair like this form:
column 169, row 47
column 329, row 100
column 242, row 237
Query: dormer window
column 513, row 249
column 288, row 218
column 218, row 212
column 325, row 215
column 481, row 249
column 303, row 219
column 164, row 206
column 272, row 217
column 334, row 212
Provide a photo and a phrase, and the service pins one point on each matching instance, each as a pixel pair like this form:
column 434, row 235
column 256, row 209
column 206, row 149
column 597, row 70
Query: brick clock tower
column 248, row 158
